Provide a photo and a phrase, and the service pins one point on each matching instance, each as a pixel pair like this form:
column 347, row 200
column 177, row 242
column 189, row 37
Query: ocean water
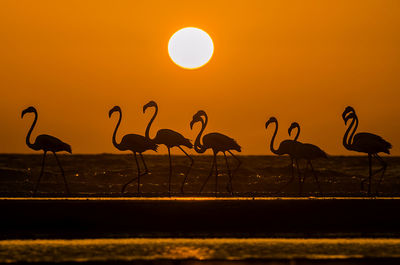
column 100, row 250
column 104, row 175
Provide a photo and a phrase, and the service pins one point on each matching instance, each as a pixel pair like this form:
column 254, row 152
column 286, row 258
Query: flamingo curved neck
column 297, row 134
column 198, row 147
column 28, row 136
column 271, row 146
column 147, row 134
column 347, row 142
column 114, row 141
column 354, row 130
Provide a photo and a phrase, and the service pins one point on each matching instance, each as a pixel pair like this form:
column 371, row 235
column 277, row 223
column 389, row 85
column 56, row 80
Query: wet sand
column 202, row 251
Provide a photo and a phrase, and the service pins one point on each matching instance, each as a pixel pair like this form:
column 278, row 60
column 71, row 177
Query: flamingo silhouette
column 286, row 147
column 307, row 152
column 218, row 143
column 170, row 139
column 368, row 143
column 46, row 143
column 134, row 143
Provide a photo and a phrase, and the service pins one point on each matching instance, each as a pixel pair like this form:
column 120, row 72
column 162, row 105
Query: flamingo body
column 50, row 143
column 370, row 143
column 220, row 143
column 136, row 143
column 171, row 139
column 309, row 151
column 287, row 147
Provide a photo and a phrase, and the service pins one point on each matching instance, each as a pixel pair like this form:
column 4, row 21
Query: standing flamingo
column 135, row 143
column 170, row 139
column 286, row 147
column 307, row 152
column 46, row 143
column 218, row 143
column 368, row 143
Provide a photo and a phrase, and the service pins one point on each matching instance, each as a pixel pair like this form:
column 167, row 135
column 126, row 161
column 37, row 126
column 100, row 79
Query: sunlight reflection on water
column 198, row 249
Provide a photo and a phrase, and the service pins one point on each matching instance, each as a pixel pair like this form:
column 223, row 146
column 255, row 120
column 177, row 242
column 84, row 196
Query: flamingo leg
column 209, row 175
column 229, row 185
column 315, row 175
column 41, row 173
column 237, row 167
column 299, row 176
column 237, row 159
column 170, row 171
column 188, row 170
column 216, row 175
column 383, row 169
column 370, row 173
column 292, row 178
column 146, row 171
column 138, row 176
column 62, row 173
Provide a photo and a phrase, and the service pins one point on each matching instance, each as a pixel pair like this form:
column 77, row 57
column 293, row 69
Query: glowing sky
column 301, row 61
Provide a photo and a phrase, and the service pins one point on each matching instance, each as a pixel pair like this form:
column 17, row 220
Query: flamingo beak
column 192, row 123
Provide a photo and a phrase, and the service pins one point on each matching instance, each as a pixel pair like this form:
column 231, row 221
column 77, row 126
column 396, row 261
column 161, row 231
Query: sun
column 190, row 48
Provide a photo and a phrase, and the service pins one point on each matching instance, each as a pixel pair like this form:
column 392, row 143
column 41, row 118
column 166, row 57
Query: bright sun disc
column 190, row 48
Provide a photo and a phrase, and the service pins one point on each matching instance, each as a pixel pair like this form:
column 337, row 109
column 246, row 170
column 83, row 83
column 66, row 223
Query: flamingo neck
column 114, row 141
column 354, row 130
column 297, row 134
column 147, row 134
column 28, row 136
column 347, row 142
column 198, row 147
column 271, row 146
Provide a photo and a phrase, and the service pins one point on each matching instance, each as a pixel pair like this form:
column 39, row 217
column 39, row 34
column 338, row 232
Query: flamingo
column 286, row 147
column 218, row 143
column 307, row 152
column 46, row 143
column 170, row 139
column 134, row 143
column 368, row 143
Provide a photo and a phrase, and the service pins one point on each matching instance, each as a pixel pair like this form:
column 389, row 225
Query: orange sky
column 297, row 60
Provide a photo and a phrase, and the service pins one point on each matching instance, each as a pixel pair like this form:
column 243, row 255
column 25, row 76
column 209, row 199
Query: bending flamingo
column 170, row 139
column 307, row 152
column 368, row 143
column 286, row 147
column 46, row 143
column 218, row 143
column 134, row 143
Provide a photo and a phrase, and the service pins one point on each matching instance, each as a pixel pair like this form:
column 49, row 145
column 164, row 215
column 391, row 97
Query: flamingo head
column 68, row 149
column 197, row 118
column 114, row 109
column 148, row 105
column 271, row 120
column 346, row 111
column 292, row 126
column 351, row 115
column 28, row 110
